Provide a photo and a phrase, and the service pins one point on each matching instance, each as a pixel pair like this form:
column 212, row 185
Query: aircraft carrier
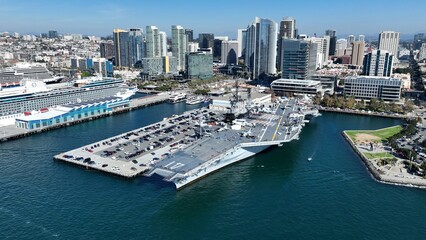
column 184, row 148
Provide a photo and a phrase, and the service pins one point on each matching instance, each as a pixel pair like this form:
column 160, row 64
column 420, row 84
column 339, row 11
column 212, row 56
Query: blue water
column 278, row 194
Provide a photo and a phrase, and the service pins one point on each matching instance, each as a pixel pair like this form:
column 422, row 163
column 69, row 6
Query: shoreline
column 375, row 174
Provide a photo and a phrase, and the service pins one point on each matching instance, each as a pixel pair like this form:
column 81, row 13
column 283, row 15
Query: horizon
column 100, row 19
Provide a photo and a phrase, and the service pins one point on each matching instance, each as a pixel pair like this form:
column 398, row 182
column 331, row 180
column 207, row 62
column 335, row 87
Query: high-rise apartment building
column 136, row 46
column 298, row 59
column 121, row 45
column 152, row 42
column 163, row 43
column 261, row 47
column 341, row 45
column 357, row 56
column 287, row 30
column 323, row 47
column 179, row 46
column 389, row 41
column 378, row 63
column 107, row 49
column 351, row 39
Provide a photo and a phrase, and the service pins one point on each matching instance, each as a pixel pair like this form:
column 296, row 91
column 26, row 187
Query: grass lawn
column 378, row 155
column 383, row 133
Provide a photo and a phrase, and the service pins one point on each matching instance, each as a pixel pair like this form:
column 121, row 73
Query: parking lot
column 414, row 142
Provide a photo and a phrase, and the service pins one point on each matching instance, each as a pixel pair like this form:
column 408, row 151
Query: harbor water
column 278, row 194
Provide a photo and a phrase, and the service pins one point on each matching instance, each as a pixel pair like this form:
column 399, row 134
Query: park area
column 375, row 136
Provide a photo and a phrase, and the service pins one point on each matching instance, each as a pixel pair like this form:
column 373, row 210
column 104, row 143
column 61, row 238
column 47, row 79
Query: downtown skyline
column 98, row 18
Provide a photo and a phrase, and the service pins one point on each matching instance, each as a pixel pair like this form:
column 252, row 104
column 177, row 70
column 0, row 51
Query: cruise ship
column 14, row 75
column 184, row 148
column 33, row 95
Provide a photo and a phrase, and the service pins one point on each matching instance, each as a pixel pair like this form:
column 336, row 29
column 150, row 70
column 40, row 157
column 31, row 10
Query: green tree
column 338, row 102
column 409, row 106
column 327, row 101
column 317, row 99
column 374, row 105
column 382, row 106
column 350, row 102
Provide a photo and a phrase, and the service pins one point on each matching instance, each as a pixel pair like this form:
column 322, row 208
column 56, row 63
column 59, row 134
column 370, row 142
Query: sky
column 221, row 17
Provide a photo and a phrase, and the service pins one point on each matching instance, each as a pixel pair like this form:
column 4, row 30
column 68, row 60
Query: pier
column 12, row 132
column 184, row 148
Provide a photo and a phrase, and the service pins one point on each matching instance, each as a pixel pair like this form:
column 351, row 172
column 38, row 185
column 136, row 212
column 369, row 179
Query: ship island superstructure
column 14, row 75
column 184, row 148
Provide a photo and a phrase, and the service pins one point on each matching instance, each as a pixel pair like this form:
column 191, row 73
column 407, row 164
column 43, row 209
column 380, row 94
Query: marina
column 182, row 149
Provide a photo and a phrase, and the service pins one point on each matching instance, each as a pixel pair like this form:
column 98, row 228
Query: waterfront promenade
column 393, row 172
column 365, row 113
column 12, row 132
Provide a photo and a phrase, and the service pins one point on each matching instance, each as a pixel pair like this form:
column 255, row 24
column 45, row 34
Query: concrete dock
column 12, row 132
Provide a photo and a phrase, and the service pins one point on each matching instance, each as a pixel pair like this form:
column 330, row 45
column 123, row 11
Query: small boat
column 194, row 100
column 309, row 159
column 180, row 97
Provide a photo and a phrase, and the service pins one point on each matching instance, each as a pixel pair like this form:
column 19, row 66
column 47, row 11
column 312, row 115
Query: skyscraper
column 189, row 34
column 298, row 59
column 333, row 41
column 179, row 47
column 261, row 47
column 323, row 46
column 136, row 46
column 419, row 39
column 378, row 63
column 121, row 45
column 163, row 43
column 241, row 38
column 107, row 49
column 361, row 38
column 357, row 56
column 152, row 45
column 351, row 39
column 422, row 52
column 341, row 45
column 53, row 34
column 206, row 40
column 288, row 27
column 287, row 30
column 389, row 41
column 229, row 52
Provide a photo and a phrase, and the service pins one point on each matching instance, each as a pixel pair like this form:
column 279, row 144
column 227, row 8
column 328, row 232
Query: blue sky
column 221, row 17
